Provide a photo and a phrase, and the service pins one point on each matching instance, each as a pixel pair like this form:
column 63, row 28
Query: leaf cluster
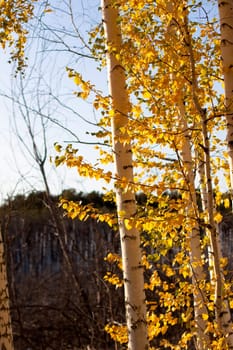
column 13, row 17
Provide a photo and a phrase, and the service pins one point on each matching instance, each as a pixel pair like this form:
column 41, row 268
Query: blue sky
column 47, row 88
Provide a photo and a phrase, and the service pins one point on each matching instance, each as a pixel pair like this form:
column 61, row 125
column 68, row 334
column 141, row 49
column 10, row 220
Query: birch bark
column 198, row 275
column 125, row 196
column 226, row 29
column 222, row 310
column 204, row 203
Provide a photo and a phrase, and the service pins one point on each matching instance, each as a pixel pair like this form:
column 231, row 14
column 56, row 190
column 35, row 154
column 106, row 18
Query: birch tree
column 222, row 312
column 125, row 197
column 186, row 162
column 226, row 29
column 198, row 273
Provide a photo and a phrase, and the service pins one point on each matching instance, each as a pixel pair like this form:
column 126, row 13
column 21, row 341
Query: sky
column 53, row 43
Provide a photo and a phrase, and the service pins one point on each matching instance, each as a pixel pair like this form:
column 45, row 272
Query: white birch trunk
column 222, row 309
column 226, row 28
column 204, row 202
column 198, row 275
column 126, row 204
column 6, row 337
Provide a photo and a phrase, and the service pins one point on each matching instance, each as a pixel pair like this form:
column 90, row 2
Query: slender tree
column 222, row 312
column 226, row 29
column 125, row 196
column 187, row 166
column 196, row 261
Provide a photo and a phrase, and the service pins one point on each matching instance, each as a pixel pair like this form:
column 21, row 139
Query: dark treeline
column 59, row 298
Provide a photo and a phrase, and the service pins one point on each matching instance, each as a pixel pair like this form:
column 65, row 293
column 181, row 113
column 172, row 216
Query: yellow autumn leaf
column 117, row 332
column 77, row 79
column 128, row 224
column 146, row 94
column 111, row 113
column 48, row 10
column 218, row 218
column 149, row 225
column 169, row 271
column 57, row 147
column 169, row 242
column 184, row 271
column 226, row 203
column 84, row 94
column 205, row 317
column 211, row 306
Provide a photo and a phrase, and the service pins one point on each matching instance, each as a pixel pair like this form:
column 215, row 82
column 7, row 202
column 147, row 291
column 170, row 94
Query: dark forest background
column 56, row 268
column 59, row 299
